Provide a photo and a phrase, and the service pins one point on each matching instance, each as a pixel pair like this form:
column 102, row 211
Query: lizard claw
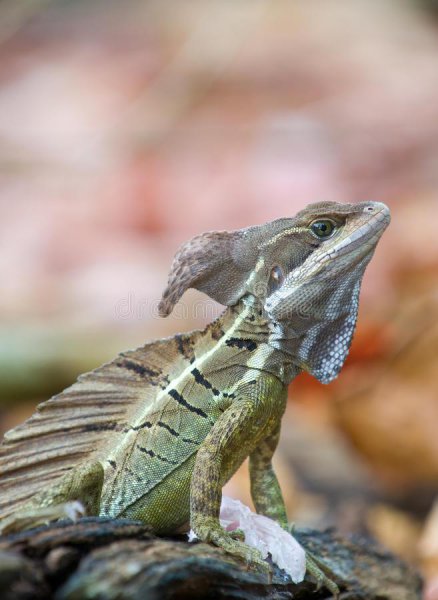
column 232, row 543
column 322, row 580
column 237, row 534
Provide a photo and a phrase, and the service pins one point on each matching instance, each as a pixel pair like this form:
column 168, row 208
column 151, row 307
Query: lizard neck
column 245, row 328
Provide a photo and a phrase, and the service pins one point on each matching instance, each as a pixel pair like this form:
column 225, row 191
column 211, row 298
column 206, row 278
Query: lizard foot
column 232, row 543
column 319, row 571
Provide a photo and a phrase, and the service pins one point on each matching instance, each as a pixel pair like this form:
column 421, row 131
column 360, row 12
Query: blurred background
column 128, row 127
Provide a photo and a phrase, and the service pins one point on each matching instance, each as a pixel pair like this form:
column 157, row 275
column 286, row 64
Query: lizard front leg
column 268, row 501
column 229, row 434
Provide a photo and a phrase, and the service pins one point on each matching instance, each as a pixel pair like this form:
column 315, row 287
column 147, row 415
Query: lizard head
column 316, row 301
column 305, row 272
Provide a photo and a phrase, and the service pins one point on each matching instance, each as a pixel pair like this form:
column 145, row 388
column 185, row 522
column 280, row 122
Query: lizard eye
column 276, row 278
column 323, row 228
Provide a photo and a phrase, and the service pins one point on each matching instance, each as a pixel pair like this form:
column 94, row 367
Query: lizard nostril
column 370, row 208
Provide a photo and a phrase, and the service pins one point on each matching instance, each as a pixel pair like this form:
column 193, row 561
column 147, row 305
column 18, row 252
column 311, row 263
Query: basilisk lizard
column 156, row 433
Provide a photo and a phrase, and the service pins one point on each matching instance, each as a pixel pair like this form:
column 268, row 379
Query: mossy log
column 118, row 559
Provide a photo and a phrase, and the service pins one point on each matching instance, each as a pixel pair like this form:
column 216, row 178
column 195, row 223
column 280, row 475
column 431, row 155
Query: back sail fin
column 78, row 425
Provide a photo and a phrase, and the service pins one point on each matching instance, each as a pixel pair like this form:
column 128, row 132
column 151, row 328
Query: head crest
column 216, row 263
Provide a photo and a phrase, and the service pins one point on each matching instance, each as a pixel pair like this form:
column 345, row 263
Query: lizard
column 155, row 434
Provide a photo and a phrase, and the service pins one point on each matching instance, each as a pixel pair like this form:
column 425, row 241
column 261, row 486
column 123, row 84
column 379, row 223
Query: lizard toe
column 237, row 534
column 322, row 580
column 226, row 540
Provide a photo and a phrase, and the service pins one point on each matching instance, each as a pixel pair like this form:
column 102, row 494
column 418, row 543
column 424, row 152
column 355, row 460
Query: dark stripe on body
column 187, row 441
column 152, row 454
column 149, row 425
column 145, row 425
column 242, row 343
column 180, row 399
column 168, row 428
column 199, row 378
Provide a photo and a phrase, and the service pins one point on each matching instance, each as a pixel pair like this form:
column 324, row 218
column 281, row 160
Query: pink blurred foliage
column 128, row 130
column 124, row 135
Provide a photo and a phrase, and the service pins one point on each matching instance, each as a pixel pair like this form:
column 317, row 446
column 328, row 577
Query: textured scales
column 156, row 433
column 82, row 421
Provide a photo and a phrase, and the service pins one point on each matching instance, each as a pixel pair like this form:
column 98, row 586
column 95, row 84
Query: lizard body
column 156, row 433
